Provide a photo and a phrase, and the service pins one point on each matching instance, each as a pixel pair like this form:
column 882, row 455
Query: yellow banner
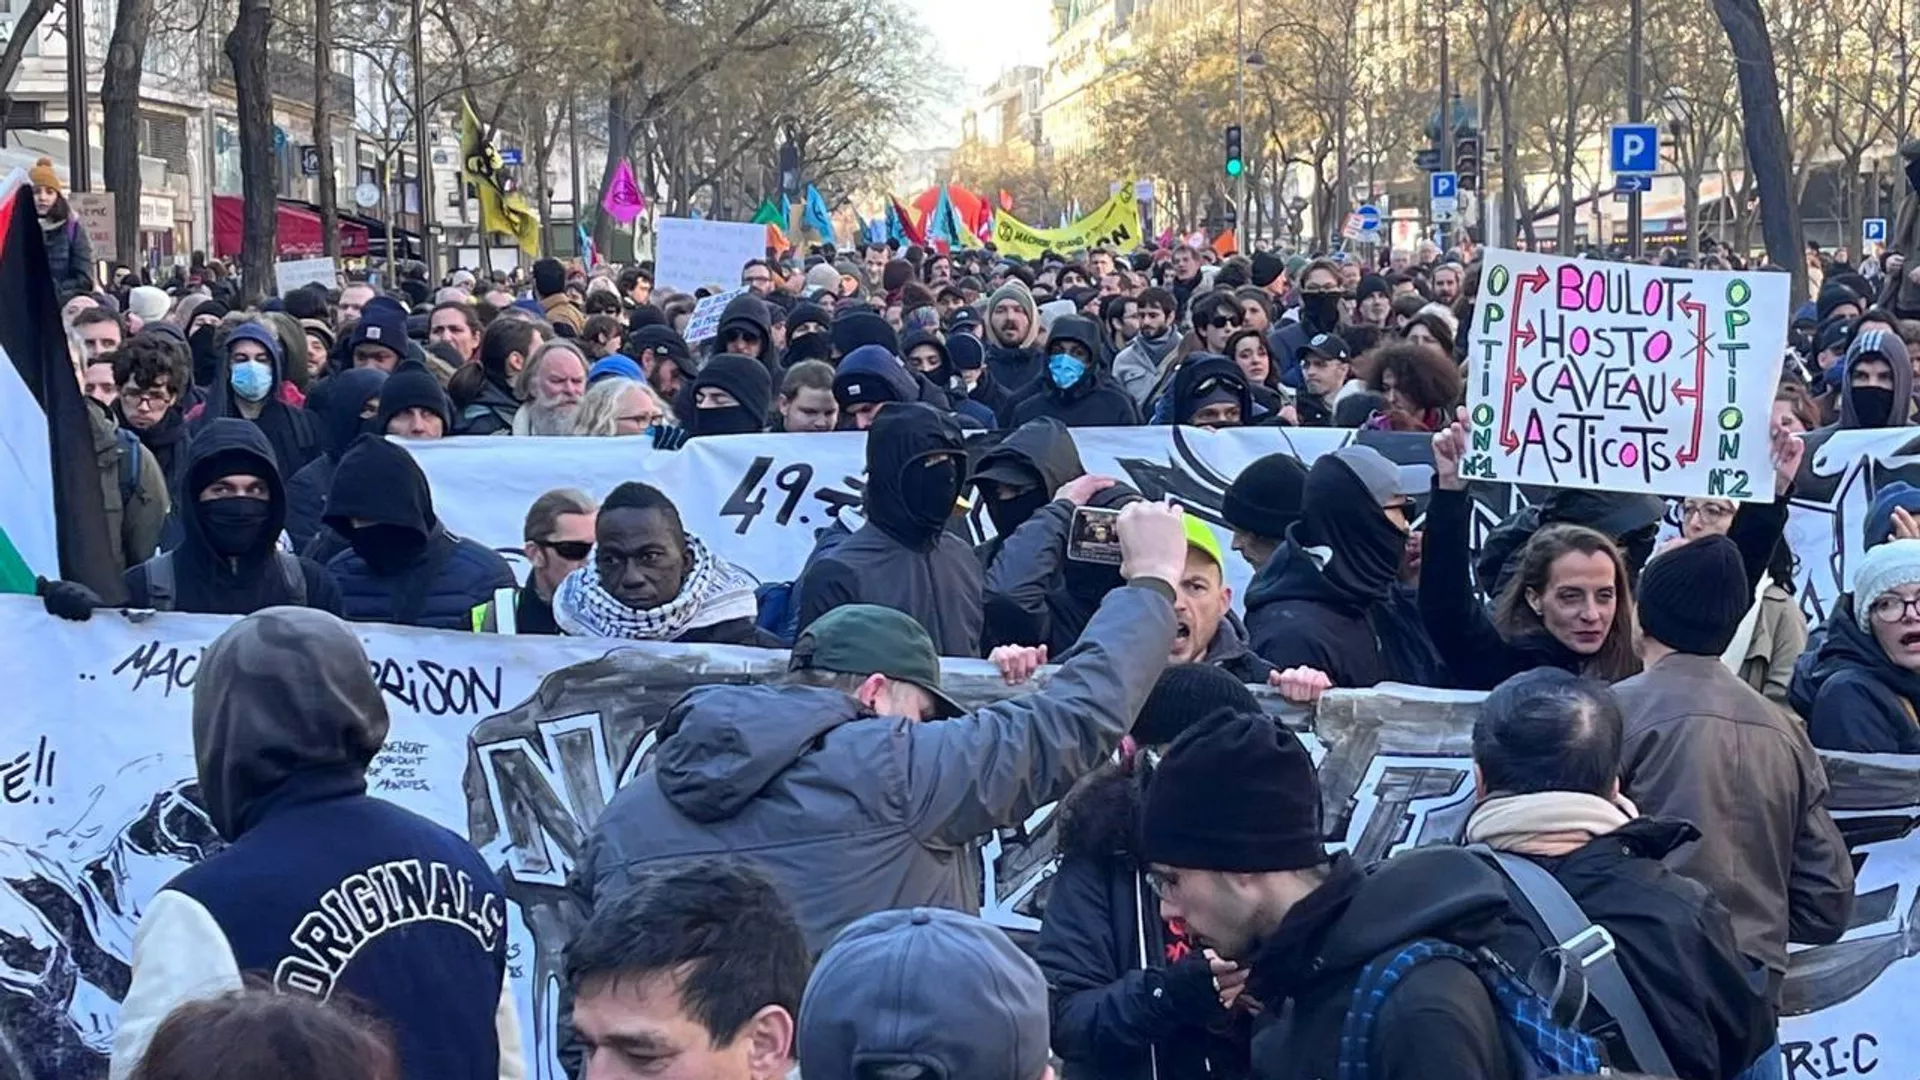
column 1116, row 224
column 501, row 211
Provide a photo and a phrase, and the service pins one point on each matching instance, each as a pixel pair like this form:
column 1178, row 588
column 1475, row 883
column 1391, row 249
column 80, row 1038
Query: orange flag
column 1224, row 244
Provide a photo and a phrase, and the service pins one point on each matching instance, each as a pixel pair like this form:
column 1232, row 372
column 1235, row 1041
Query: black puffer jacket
column 1095, row 401
column 445, row 578
column 1852, row 696
column 1131, row 1000
column 1707, row 1003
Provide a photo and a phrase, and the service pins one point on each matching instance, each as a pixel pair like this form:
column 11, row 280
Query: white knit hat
column 1886, row 567
column 149, row 303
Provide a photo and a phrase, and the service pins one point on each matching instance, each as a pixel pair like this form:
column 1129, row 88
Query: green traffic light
column 1235, row 166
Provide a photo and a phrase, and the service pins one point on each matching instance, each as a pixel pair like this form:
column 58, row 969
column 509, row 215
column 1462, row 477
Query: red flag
column 916, row 233
column 1006, row 200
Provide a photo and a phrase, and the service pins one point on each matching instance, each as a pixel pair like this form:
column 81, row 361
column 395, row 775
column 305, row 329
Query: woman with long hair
column 69, row 255
column 1569, row 605
column 1247, row 347
column 620, row 406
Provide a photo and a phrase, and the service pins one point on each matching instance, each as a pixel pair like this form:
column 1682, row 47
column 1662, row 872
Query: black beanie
column 863, row 327
column 413, row 385
column 1266, row 267
column 1185, row 693
column 742, row 376
column 966, row 352
column 1831, row 296
column 1235, row 793
column 1265, row 498
column 1692, row 596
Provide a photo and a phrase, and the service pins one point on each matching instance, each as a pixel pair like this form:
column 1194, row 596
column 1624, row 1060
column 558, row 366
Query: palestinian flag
column 46, row 440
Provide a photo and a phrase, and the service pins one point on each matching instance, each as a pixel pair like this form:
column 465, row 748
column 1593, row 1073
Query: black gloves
column 68, row 599
column 668, row 436
column 1189, row 988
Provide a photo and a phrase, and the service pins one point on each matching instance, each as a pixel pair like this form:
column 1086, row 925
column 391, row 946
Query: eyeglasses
column 570, row 550
column 1892, row 608
column 644, row 419
column 1705, row 511
column 147, row 399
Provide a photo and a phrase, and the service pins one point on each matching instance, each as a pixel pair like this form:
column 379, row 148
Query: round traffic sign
column 366, row 196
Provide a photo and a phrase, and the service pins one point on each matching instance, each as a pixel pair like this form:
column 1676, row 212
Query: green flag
column 769, row 214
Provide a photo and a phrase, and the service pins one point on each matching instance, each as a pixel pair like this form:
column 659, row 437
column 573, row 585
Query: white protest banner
column 694, row 253
column 705, row 320
column 517, row 742
column 94, row 211
column 291, row 274
column 1624, row 377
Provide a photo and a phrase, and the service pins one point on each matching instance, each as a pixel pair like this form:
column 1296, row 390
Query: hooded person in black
column 1210, row 391
column 208, row 363
column 904, row 557
column 1325, row 598
column 247, row 393
column 737, row 394
column 969, row 359
column 1075, row 387
column 342, row 404
column 233, row 505
column 402, row 566
column 946, row 379
column 1022, row 474
column 746, row 329
column 1034, row 593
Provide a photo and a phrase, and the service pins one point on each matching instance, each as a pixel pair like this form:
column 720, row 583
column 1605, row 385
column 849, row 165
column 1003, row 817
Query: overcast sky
column 977, row 39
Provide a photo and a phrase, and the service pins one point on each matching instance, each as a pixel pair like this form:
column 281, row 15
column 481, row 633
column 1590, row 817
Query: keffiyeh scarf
column 715, row 591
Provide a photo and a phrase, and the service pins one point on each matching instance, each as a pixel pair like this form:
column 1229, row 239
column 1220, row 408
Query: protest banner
column 1623, row 377
column 705, row 320
column 1114, row 224
column 517, row 743
column 694, row 253
column 94, row 211
column 291, row 274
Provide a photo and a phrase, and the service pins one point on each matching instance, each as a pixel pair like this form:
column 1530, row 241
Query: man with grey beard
column 551, row 384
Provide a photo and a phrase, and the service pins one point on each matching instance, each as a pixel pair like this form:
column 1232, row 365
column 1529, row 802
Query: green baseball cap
column 865, row 639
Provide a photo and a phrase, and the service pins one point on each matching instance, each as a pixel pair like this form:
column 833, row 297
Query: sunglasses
column 570, row 550
column 1221, row 322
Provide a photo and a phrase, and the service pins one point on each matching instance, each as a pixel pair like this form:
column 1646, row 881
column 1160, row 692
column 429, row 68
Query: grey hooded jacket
column 851, row 813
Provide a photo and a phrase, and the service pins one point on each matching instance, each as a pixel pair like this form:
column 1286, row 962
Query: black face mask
column 725, row 420
column 1009, row 514
column 388, row 549
column 929, row 492
column 1320, row 309
column 206, row 361
column 1872, row 405
column 815, row 346
column 234, row 524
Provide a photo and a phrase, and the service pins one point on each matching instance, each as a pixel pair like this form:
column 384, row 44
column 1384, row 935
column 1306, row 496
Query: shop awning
column 298, row 230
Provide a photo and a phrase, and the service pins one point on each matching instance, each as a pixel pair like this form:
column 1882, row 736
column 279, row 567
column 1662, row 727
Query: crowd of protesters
column 787, row 882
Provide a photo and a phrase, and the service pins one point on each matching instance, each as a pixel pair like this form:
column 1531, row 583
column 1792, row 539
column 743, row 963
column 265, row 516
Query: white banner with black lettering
column 517, row 743
column 757, row 500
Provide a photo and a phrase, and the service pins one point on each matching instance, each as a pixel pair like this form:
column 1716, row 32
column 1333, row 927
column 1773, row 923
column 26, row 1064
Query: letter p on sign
column 1636, row 148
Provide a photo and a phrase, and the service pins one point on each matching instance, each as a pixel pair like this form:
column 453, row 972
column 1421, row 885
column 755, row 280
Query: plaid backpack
column 1537, row 1045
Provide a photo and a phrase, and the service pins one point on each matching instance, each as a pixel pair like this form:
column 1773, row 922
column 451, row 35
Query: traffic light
column 1236, row 160
column 1466, row 161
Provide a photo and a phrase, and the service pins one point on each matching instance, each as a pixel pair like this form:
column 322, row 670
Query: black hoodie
column 335, row 404
column 904, row 557
column 289, row 428
column 1043, row 451
column 426, row 576
column 1095, row 401
column 1203, row 367
column 1326, row 599
column 208, row 583
column 749, row 312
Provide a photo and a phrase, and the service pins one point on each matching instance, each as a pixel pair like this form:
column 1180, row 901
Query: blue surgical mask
column 1066, row 370
column 252, row 380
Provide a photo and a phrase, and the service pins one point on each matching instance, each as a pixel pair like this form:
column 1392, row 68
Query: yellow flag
column 1116, row 224
column 501, row 211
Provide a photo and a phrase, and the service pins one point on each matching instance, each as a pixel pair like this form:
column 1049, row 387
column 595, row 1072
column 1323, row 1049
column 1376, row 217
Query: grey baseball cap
column 1382, row 477
column 928, row 987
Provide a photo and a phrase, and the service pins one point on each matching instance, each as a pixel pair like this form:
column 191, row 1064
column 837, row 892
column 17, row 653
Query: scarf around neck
column 715, row 591
column 1547, row 823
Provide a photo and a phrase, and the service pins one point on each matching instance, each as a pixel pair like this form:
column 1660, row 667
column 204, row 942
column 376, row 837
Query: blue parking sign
column 1636, row 148
column 1874, row 230
column 1442, row 186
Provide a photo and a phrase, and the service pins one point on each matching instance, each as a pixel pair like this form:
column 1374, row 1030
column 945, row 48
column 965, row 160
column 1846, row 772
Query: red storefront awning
column 298, row 230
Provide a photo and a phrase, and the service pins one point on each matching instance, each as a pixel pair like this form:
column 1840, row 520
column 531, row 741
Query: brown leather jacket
column 1703, row 746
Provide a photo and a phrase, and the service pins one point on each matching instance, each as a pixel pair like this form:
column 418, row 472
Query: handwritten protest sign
column 694, row 252
column 705, row 320
column 291, row 274
column 1624, row 377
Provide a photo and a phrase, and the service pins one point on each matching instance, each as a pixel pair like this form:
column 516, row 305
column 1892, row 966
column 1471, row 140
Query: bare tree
column 1766, row 134
column 120, row 112
column 246, row 49
column 18, row 36
column 323, row 125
